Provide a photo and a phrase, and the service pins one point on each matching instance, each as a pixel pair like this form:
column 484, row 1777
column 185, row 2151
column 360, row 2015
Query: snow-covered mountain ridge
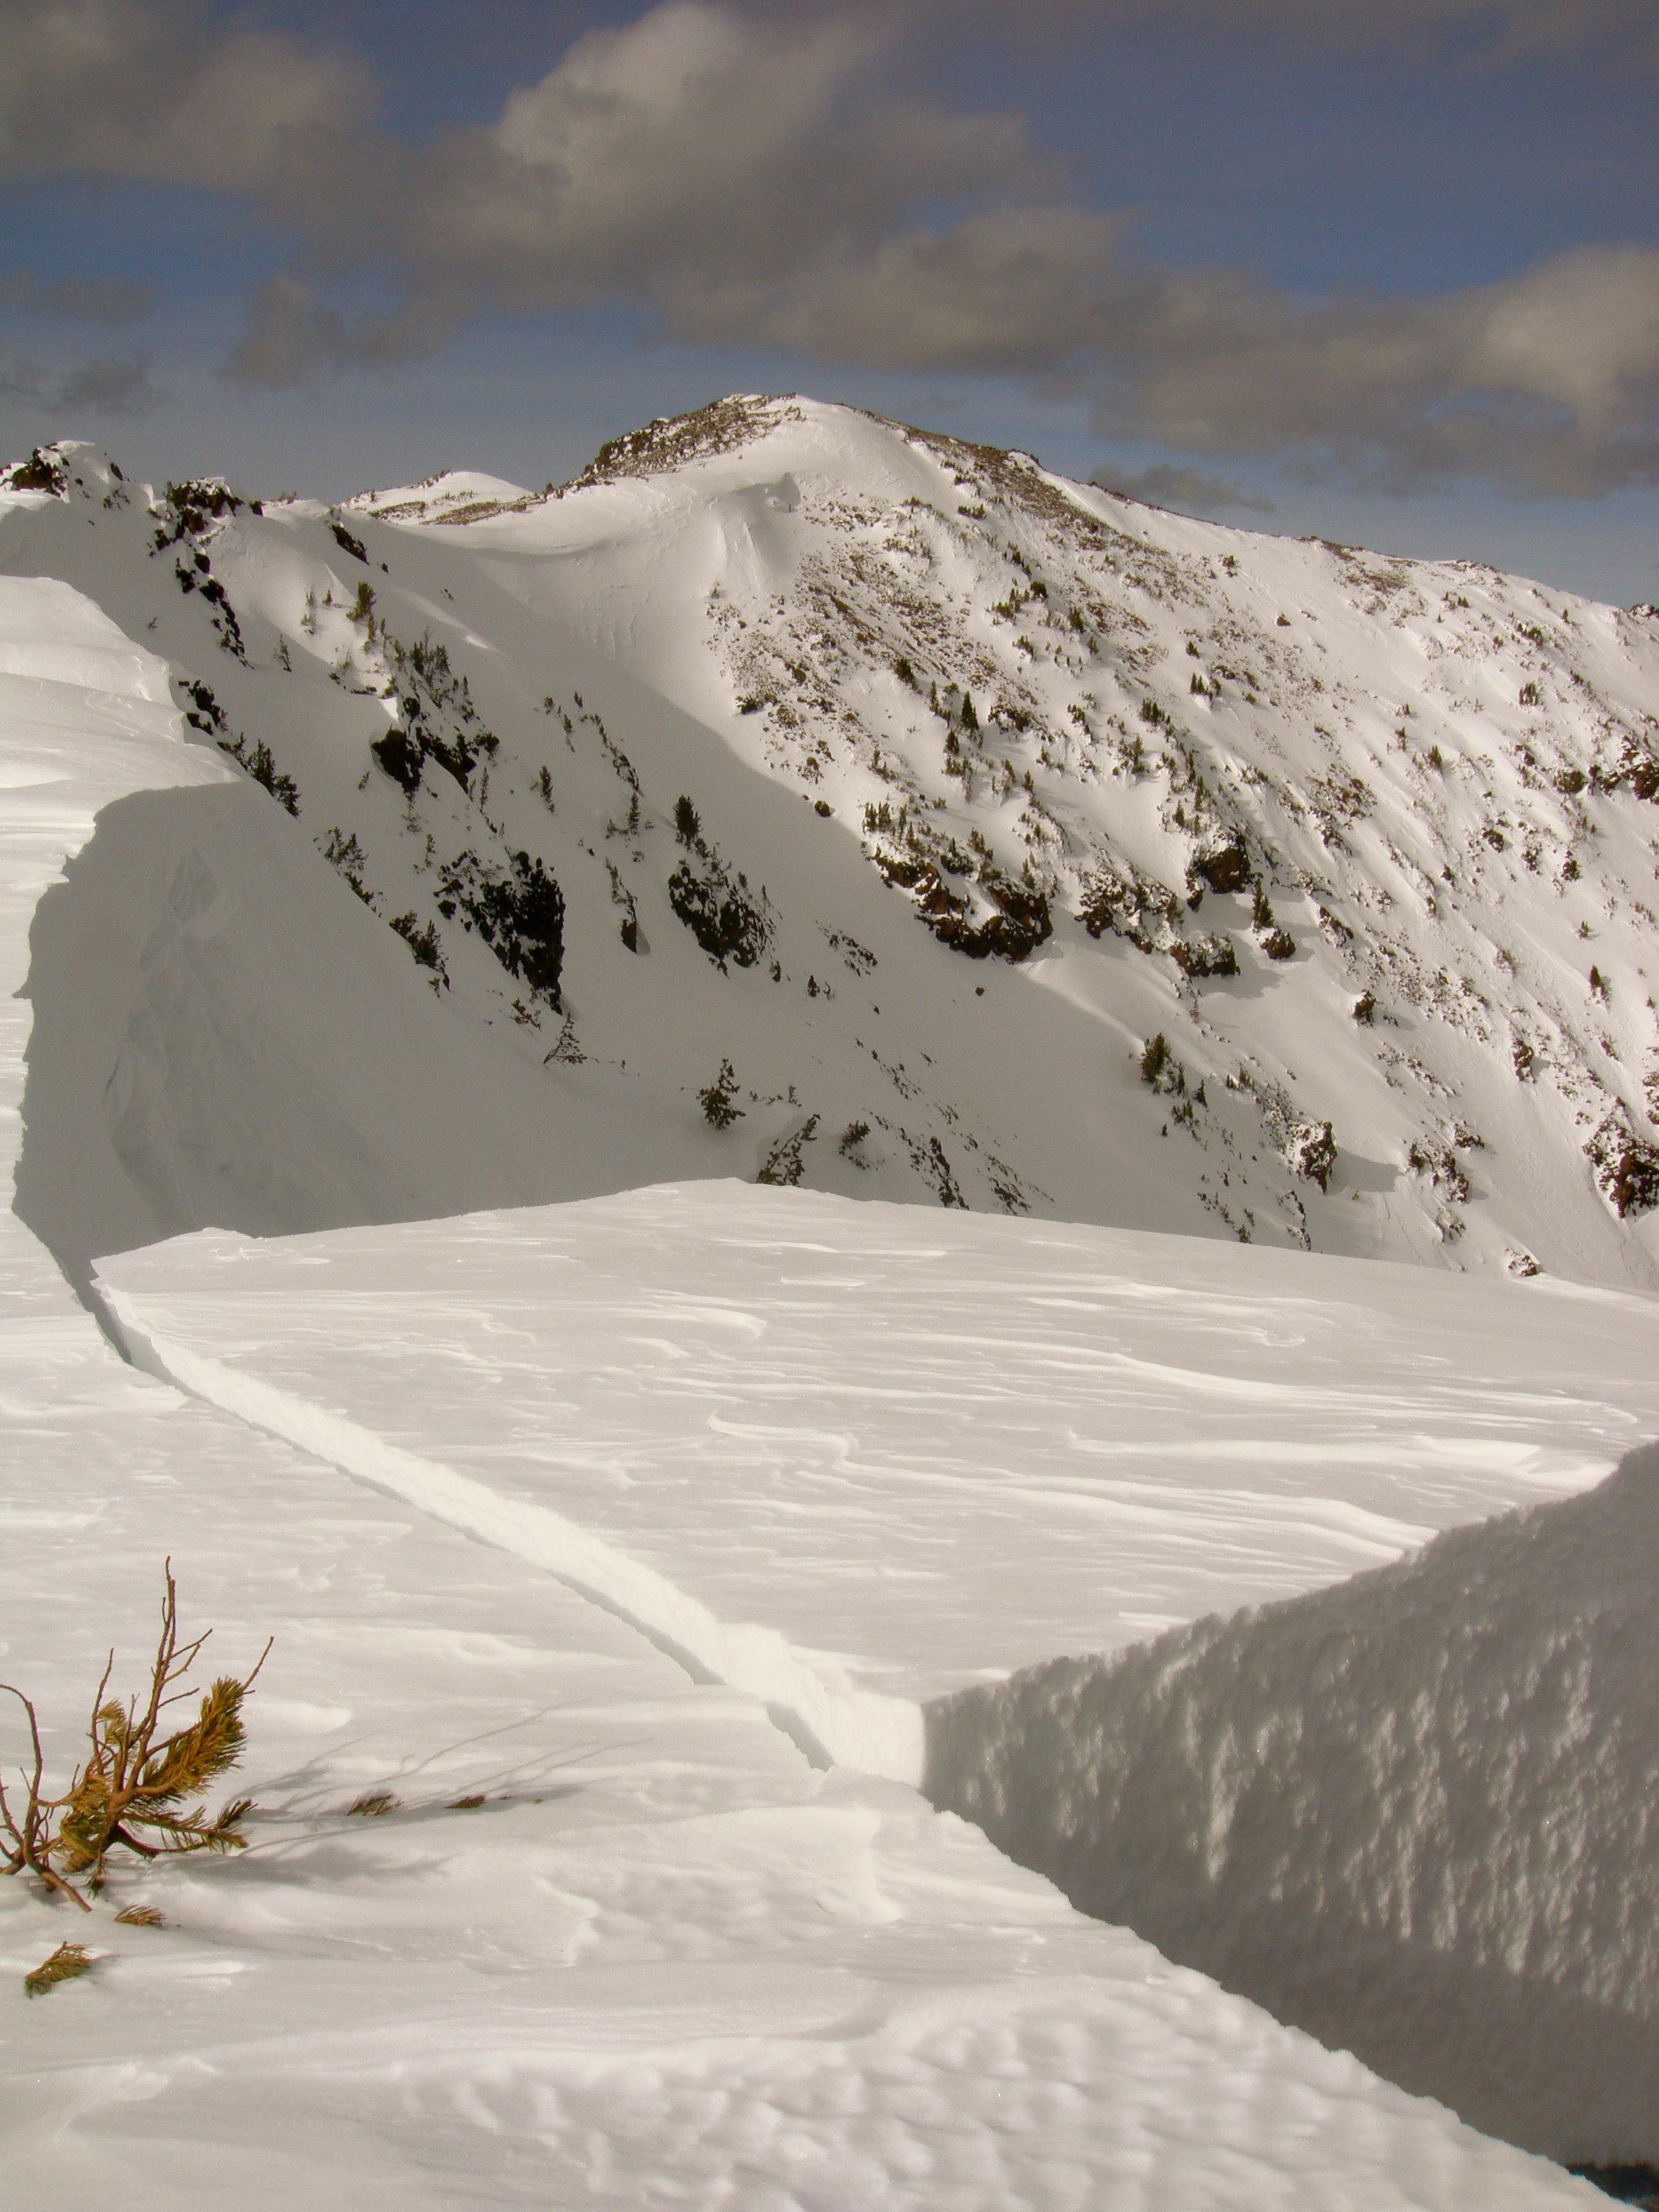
column 1141, row 870
column 619, row 1935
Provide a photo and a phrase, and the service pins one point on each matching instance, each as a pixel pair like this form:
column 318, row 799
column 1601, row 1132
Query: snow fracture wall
column 1416, row 1815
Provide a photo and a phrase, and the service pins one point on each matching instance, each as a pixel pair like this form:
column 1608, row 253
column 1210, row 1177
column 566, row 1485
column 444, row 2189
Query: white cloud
column 694, row 145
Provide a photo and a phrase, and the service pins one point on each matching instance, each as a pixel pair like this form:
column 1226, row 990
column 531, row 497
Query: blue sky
column 1386, row 270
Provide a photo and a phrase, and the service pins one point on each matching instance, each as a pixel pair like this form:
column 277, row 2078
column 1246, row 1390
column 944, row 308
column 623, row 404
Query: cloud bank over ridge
column 771, row 177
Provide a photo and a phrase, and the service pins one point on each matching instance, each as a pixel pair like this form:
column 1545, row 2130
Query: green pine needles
column 138, row 1787
column 66, row 1963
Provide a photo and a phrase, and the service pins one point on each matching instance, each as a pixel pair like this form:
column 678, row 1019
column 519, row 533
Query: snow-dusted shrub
column 1224, row 863
column 1439, row 1163
column 1160, row 1068
column 1204, row 955
column 346, row 855
column 727, row 922
column 1309, row 1151
column 39, row 473
column 258, row 761
column 440, row 722
column 421, row 942
column 1625, row 1166
column 401, row 759
column 190, row 507
column 204, row 713
column 852, row 1137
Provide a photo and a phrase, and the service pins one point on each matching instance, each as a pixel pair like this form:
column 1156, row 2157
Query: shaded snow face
column 1412, row 1814
column 1050, row 853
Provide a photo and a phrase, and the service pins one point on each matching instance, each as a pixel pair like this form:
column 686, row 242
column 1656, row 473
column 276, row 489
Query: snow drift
column 1415, row 1814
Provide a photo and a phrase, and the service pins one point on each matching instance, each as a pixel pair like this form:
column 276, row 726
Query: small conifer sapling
column 134, row 1778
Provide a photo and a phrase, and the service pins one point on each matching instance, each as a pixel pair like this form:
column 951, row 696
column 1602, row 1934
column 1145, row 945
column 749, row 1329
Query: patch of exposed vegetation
column 519, row 912
column 674, row 441
column 257, row 760
column 41, row 472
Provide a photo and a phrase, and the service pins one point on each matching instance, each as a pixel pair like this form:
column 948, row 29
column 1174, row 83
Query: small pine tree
column 131, row 1781
column 688, row 825
column 718, row 1109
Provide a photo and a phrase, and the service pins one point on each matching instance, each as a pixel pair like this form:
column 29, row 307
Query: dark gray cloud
column 110, row 386
column 103, row 385
column 290, row 336
column 1167, row 484
column 109, row 301
column 168, row 90
column 696, row 157
column 693, row 139
column 1548, row 381
column 21, row 378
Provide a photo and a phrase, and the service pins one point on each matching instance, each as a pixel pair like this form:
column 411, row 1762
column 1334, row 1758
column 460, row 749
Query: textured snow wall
column 1416, row 1815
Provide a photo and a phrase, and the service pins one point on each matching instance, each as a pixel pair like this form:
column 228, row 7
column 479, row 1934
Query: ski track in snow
column 664, row 1957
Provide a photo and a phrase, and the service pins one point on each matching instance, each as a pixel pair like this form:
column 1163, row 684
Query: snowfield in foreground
column 623, row 1940
column 855, row 1454
column 861, row 1461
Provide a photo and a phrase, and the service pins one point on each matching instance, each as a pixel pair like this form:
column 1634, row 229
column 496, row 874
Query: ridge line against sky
column 1224, row 246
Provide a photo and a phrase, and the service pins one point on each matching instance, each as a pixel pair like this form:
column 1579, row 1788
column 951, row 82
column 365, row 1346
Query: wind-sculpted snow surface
column 847, row 1457
column 915, row 1447
column 1414, row 1815
column 1042, row 852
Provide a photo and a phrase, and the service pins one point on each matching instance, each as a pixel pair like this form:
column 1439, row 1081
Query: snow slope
column 934, row 938
column 662, row 1959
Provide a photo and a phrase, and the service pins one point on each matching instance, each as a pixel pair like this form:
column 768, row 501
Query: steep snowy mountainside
column 1384, row 830
column 1039, row 851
